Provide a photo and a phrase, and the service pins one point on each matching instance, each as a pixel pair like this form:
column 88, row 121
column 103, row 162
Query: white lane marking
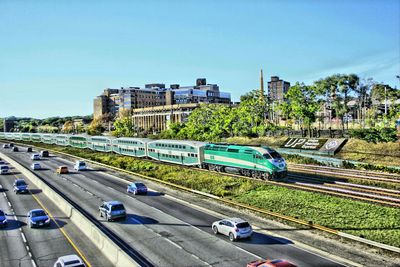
column 4, row 194
column 23, row 237
column 27, row 248
column 173, row 243
column 9, row 204
column 76, row 185
column 89, row 193
column 34, row 263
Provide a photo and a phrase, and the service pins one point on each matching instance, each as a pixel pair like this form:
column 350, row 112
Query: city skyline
column 55, row 58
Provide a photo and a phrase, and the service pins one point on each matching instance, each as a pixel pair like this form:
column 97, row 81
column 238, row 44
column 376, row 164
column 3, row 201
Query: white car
column 35, row 157
column 4, row 169
column 36, row 166
column 69, row 261
column 235, row 228
column 6, row 146
column 80, row 165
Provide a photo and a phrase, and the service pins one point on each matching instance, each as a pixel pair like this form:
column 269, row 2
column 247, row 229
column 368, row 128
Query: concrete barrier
column 117, row 256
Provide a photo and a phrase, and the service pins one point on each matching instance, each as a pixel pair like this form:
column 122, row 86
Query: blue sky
column 56, row 56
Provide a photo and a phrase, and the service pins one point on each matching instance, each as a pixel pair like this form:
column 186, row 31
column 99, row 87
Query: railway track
column 345, row 173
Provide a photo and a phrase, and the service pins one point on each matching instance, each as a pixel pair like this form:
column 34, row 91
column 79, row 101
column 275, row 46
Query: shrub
column 375, row 135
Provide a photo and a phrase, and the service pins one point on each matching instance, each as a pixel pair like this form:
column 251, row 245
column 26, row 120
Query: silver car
column 235, row 228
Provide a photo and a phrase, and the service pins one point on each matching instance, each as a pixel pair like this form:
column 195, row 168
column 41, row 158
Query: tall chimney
column 262, row 86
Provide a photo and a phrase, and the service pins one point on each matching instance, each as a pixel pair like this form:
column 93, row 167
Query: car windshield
column 117, row 207
column 4, row 167
column 38, row 213
column 1, row 213
column 82, row 164
column 243, row 225
column 19, row 183
column 140, row 185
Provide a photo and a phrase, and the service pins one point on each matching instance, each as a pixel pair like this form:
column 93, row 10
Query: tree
column 68, row 127
column 124, row 125
column 95, row 127
column 303, row 103
column 336, row 90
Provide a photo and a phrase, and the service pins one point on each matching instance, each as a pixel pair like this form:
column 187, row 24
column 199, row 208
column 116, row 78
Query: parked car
column 112, row 210
column 15, row 149
column 37, row 218
column 69, row 261
column 20, row 186
column 4, row 169
column 62, row 170
column 2, row 162
column 270, row 263
column 80, row 165
column 235, row 228
column 3, row 219
column 36, row 166
column 44, row 153
column 35, row 157
column 137, row 188
column 6, row 146
column 29, row 149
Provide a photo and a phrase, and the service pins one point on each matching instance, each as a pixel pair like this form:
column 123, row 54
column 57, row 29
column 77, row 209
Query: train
column 261, row 162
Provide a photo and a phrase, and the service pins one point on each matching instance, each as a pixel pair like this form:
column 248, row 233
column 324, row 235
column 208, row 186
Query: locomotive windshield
column 272, row 155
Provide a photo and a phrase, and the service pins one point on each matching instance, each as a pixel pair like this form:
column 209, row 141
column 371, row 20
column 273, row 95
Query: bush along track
column 370, row 221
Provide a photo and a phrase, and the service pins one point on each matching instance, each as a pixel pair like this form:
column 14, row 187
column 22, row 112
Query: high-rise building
column 277, row 89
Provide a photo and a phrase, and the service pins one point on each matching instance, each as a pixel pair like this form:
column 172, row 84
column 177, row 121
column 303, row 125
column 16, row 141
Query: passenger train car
column 257, row 161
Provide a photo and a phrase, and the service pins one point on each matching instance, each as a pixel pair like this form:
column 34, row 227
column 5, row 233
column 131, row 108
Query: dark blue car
column 37, row 218
column 20, row 186
column 137, row 188
column 3, row 219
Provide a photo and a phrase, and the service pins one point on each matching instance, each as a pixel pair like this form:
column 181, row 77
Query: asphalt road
column 165, row 231
column 21, row 245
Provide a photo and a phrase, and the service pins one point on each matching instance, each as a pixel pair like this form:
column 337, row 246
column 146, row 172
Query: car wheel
column 135, row 192
column 231, row 237
column 100, row 214
column 215, row 229
column 108, row 218
column 30, row 225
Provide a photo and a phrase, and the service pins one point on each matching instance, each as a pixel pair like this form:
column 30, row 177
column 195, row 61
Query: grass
column 374, row 222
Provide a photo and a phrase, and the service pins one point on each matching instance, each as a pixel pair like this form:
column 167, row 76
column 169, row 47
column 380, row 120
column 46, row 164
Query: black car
column 15, row 149
column 29, row 149
column 44, row 153
column 11, row 144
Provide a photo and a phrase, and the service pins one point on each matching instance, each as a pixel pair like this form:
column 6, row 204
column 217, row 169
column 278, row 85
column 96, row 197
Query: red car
column 270, row 263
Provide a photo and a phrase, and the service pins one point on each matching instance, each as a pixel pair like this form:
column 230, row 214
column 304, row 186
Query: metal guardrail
column 248, row 207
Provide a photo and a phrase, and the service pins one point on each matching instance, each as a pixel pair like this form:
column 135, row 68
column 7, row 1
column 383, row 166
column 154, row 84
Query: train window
column 267, row 156
column 233, row 150
column 184, row 147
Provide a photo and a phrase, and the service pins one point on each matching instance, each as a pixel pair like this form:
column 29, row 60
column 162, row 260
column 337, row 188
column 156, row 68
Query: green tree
column 95, row 127
column 68, row 127
column 336, row 89
column 123, row 125
column 303, row 104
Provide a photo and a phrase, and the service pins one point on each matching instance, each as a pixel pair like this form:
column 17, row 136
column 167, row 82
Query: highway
column 165, row 231
column 24, row 246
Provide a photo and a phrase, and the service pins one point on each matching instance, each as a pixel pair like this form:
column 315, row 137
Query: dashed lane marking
column 63, row 232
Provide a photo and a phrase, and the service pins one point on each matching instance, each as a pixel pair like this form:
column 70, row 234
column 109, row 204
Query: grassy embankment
column 371, row 221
